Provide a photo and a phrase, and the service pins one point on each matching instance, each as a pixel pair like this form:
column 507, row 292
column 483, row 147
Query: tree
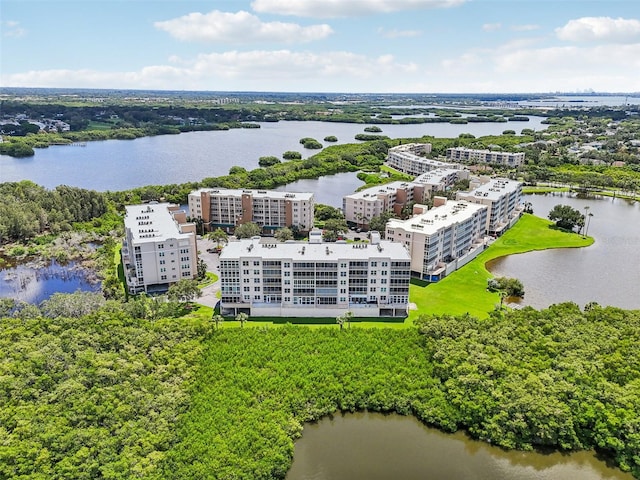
column 325, row 212
column 247, row 230
column 506, row 287
column 345, row 317
column 379, row 222
column 291, row 155
column 268, row 161
column 566, row 217
column 202, row 269
column 219, row 236
column 528, row 207
column 217, row 320
column 242, row 318
column 334, row 227
column 184, row 290
column 235, row 170
column 283, row 234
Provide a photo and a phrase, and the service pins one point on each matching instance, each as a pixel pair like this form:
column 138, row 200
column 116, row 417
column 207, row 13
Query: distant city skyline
column 376, row 46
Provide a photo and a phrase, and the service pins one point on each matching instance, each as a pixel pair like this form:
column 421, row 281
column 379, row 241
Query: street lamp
column 588, row 221
column 584, row 218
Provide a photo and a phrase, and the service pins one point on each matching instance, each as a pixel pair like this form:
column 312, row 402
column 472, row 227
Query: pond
column 33, row 284
column 370, row 446
column 607, row 272
column 327, row 190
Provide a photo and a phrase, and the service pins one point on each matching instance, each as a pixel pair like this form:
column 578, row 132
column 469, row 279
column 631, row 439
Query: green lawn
column 466, row 289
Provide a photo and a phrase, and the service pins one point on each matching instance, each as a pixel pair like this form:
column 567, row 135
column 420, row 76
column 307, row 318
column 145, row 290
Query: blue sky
column 387, row 46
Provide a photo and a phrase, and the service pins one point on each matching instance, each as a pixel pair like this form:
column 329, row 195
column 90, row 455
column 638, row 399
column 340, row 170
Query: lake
column 328, row 189
column 607, row 272
column 189, row 157
column 372, row 446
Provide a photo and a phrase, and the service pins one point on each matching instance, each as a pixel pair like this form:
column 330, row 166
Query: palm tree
column 217, row 320
column 218, row 236
column 242, row 318
column 340, row 319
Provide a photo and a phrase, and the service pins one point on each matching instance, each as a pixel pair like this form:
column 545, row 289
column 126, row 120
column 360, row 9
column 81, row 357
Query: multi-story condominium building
column 468, row 155
column 504, row 199
column 159, row 247
column 360, row 207
column 442, row 239
column 227, row 208
column 407, row 159
column 314, row 279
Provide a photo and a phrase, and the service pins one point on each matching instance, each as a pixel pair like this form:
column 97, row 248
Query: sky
column 351, row 46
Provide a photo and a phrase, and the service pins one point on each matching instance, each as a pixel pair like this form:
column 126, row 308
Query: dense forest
column 107, row 396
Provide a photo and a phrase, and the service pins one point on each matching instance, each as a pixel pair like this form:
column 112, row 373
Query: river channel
column 189, row 157
column 368, row 446
column 607, row 272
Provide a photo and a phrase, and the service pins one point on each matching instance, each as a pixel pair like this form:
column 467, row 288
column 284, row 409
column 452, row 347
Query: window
column 256, row 280
column 245, row 263
column 162, row 262
column 256, row 263
column 256, row 289
column 246, row 289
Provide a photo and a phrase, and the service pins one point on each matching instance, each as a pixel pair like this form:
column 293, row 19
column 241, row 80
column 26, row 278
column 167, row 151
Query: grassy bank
column 466, row 290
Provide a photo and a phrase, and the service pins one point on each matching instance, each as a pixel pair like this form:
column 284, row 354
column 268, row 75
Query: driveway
column 209, row 293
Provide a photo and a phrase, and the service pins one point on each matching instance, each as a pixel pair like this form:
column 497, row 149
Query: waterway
column 368, row 446
column 606, row 272
column 189, row 157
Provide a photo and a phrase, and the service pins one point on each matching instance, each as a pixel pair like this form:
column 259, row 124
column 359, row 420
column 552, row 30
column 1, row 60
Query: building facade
column 271, row 210
column 442, row 239
column 159, row 247
column 468, row 155
column 406, row 158
column 314, row 279
column 503, row 197
column 360, row 207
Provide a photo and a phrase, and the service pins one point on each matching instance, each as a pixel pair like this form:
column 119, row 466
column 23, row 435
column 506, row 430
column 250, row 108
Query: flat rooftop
column 437, row 218
column 268, row 249
column 270, row 194
column 492, row 190
column 373, row 192
column 152, row 222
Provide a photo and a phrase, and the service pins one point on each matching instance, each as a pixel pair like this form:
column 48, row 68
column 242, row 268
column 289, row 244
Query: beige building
column 441, row 239
column 227, row 208
column 468, row 155
column 503, row 197
column 408, row 158
column 314, row 279
column 360, row 207
column 159, row 247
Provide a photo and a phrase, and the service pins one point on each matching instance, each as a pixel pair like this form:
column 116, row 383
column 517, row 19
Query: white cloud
column 346, row 8
column 12, row 29
column 602, row 29
column 238, row 28
column 399, row 33
column 491, row 27
column 258, row 70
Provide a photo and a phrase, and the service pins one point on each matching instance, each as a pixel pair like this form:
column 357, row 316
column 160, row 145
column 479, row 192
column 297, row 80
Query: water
column 189, row 157
column 371, row 446
column 34, row 284
column 582, row 101
column 607, row 272
column 327, row 190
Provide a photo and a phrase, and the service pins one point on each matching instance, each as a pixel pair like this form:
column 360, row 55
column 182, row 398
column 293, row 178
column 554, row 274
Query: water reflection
column 379, row 447
column 605, row 272
column 33, row 284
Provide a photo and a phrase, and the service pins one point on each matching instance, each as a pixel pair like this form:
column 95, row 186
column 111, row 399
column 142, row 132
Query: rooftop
column 271, row 194
column 493, row 190
column 152, row 222
column 433, row 220
column 268, row 249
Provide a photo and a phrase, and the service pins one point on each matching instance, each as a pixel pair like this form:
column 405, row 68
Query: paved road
column 209, row 294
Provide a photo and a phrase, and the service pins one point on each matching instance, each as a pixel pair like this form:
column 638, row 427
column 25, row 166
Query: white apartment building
column 227, row 208
column 360, row 207
column 504, row 199
column 442, row 239
column 407, row 159
column 314, row 279
column 159, row 247
column 468, row 155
